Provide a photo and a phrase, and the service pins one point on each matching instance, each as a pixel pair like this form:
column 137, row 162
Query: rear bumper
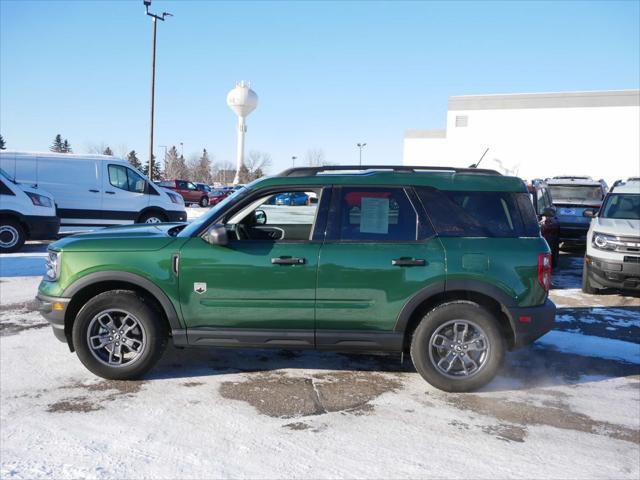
column 177, row 216
column 612, row 274
column 42, row 228
column 530, row 323
column 571, row 232
column 53, row 309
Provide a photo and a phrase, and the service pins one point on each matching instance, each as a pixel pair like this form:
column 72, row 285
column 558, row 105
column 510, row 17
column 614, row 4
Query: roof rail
column 313, row 171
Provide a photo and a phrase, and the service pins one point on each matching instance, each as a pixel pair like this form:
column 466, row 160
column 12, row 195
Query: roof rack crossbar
column 312, row 171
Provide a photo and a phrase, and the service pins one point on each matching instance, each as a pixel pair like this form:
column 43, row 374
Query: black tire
column 442, row 317
column 586, row 283
column 12, row 235
column 555, row 255
column 153, row 338
column 152, row 217
column 204, row 202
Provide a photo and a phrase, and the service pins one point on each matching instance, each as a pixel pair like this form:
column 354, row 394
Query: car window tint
column 118, row 177
column 182, row 185
column 480, row 214
column 376, row 214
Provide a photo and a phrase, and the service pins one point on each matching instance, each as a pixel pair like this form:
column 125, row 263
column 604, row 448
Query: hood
column 30, row 188
column 617, row 226
column 138, row 238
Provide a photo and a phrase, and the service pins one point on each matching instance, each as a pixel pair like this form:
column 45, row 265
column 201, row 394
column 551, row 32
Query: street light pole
column 155, row 18
column 293, row 161
column 361, row 146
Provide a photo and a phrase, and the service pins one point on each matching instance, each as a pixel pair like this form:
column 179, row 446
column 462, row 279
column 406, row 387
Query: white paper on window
column 374, row 215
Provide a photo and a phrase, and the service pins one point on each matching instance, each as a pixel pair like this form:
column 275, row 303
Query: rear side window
column 373, row 214
column 480, row 214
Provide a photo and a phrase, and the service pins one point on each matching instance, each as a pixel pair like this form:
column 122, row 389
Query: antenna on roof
column 475, row 165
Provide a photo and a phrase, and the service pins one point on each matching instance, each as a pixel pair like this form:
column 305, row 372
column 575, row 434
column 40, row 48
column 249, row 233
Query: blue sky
column 328, row 74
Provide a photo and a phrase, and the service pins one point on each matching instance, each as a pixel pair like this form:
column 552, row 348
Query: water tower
column 242, row 100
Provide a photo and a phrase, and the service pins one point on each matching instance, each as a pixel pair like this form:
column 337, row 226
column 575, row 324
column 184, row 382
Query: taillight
column 544, row 271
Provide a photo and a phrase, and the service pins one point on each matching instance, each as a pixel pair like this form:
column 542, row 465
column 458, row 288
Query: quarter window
column 374, row 214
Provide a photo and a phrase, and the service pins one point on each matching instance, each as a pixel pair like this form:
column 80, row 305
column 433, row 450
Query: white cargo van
column 26, row 213
column 94, row 190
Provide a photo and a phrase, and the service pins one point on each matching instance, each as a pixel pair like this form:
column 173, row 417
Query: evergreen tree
column 108, row 151
column 201, row 171
column 3, row 145
column 66, row 146
column 132, row 158
column 58, row 145
column 156, row 170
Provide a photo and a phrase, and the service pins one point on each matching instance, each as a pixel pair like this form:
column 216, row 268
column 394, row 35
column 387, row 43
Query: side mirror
column 590, row 213
column 261, row 217
column 549, row 212
column 217, row 235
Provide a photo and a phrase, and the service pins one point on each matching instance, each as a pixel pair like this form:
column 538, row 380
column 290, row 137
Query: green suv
column 447, row 264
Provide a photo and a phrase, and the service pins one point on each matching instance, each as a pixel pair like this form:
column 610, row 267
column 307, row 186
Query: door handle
column 288, row 261
column 94, row 190
column 110, row 192
column 409, row 262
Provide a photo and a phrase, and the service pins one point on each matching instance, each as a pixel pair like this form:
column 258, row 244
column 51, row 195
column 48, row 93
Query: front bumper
column 177, row 216
column 530, row 323
column 611, row 274
column 53, row 309
column 42, row 228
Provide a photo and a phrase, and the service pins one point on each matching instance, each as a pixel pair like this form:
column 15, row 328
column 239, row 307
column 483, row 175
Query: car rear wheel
column 119, row 336
column 457, row 347
column 204, row 202
column 586, row 283
column 12, row 236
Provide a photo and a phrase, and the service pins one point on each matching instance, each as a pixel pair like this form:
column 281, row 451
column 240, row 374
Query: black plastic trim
column 249, row 338
column 359, row 341
column 410, row 306
column 119, row 276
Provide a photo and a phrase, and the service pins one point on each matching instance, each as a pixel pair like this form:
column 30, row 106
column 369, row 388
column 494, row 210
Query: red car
column 189, row 192
column 216, row 196
column 547, row 218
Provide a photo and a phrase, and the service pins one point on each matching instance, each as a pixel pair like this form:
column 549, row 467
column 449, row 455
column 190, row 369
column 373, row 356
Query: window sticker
column 374, row 216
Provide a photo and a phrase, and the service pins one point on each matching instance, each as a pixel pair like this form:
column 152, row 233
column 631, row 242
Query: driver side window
column 279, row 216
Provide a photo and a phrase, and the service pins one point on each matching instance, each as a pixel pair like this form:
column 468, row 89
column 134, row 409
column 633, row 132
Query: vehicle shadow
column 532, row 367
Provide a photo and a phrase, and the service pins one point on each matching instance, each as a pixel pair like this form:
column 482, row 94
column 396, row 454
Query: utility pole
column 155, row 18
column 361, row 146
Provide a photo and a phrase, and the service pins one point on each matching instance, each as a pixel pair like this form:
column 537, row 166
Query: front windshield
column 6, row 175
column 204, row 219
column 624, row 206
column 576, row 193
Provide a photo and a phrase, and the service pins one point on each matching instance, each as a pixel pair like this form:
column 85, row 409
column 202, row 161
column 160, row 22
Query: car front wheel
column 204, row 202
column 457, row 347
column 119, row 336
column 12, row 236
column 586, row 283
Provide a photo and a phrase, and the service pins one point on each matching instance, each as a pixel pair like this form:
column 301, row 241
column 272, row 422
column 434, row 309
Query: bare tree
column 176, row 166
column 315, row 157
column 256, row 165
column 224, row 171
column 200, row 168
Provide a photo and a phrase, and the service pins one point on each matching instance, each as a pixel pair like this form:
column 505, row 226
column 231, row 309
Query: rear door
column 378, row 253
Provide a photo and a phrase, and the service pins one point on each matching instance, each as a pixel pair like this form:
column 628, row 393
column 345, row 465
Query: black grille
column 631, row 259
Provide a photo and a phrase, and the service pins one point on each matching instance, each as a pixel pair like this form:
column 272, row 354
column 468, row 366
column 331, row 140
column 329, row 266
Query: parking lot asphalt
column 566, row 407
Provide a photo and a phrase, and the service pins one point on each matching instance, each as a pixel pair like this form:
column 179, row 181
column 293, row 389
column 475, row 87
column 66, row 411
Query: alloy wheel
column 459, row 349
column 116, row 338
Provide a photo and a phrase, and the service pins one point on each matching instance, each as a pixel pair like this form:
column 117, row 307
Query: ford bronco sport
column 447, row 264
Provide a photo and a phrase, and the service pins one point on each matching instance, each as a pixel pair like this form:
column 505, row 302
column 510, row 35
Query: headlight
column 175, row 198
column 39, row 200
column 53, row 266
column 604, row 242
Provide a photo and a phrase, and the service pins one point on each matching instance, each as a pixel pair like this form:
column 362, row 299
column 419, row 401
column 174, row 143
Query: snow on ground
column 566, row 407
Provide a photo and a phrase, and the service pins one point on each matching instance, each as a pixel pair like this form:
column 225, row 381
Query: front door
column 259, row 289
column 378, row 253
column 124, row 195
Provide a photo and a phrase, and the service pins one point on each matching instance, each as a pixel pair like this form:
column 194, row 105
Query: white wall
column 603, row 142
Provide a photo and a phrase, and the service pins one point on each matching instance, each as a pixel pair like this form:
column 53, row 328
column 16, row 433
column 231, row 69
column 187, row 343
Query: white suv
column 613, row 241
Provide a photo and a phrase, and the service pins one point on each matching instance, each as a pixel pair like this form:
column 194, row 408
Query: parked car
column 26, row 213
column 292, row 198
column 203, row 187
column 613, row 242
column 547, row 216
column 572, row 196
column 189, row 192
column 216, row 196
column 447, row 264
column 94, row 190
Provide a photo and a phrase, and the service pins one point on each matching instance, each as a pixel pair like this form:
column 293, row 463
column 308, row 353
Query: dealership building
column 536, row 135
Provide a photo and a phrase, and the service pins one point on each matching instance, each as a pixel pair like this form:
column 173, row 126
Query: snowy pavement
column 566, row 407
